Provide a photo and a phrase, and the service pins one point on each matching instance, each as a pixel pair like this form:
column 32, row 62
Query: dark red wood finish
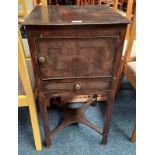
column 75, row 51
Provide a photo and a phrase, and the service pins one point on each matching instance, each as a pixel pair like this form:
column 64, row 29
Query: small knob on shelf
column 77, row 87
column 42, row 60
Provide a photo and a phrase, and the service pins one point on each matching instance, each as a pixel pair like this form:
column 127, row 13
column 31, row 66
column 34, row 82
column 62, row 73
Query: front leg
column 42, row 104
column 108, row 117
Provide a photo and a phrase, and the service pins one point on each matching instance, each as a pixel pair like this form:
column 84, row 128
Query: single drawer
column 77, row 85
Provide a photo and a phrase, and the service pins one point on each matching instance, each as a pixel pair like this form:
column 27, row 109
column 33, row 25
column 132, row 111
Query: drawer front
column 77, row 86
column 76, row 57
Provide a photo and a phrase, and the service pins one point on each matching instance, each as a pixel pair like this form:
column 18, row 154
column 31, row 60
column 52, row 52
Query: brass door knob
column 42, row 60
column 77, row 87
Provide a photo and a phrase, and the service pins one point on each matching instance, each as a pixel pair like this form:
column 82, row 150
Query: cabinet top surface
column 74, row 15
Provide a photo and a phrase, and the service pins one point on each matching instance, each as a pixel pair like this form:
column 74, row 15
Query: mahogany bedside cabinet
column 75, row 50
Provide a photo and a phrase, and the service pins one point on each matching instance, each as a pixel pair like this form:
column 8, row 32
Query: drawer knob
column 77, row 87
column 42, row 60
